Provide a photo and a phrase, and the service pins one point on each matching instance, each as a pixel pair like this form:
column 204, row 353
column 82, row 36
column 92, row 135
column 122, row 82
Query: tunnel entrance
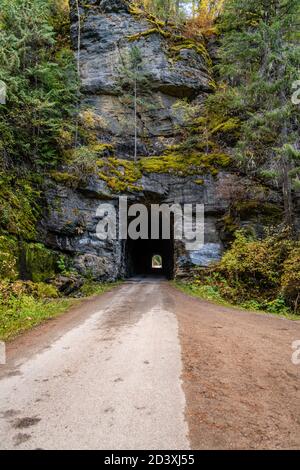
column 140, row 255
column 150, row 257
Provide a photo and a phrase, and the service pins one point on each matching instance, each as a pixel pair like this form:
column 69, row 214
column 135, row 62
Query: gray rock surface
column 70, row 224
column 105, row 29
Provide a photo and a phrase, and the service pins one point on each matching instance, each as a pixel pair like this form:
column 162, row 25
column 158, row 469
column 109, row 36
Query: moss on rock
column 65, row 178
column 143, row 34
column 120, row 175
column 19, row 205
column 38, row 262
column 180, row 43
column 184, row 165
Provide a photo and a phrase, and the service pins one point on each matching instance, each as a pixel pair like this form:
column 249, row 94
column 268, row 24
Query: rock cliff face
column 108, row 30
column 106, row 38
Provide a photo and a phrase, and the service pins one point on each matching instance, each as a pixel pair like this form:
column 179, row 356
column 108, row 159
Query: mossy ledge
column 123, row 175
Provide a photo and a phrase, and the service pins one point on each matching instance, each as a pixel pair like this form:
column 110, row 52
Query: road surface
column 147, row 367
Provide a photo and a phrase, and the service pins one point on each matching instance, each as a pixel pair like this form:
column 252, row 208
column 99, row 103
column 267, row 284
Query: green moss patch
column 148, row 32
column 180, row 43
column 123, row 175
column 185, row 165
column 19, row 205
column 65, row 178
column 39, row 262
column 120, row 175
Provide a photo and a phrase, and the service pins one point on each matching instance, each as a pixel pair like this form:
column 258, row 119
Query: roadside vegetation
column 210, row 293
column 247, row 126
column 37, row 130
column 262, row 275
column 24, row 305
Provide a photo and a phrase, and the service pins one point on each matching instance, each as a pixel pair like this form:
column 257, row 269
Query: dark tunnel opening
column 140, row 253
column 140, row 257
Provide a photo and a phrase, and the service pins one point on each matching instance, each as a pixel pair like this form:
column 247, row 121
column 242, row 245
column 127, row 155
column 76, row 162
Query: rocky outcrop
column 71, row 225
column 108, row 30
column 106, row 38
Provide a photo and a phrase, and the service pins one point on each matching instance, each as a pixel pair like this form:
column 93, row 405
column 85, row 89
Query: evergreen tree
column 259, row 61
column 40, row 74
column 181, row 9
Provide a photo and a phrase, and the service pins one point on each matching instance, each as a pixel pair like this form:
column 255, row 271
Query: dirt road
column 146, row 367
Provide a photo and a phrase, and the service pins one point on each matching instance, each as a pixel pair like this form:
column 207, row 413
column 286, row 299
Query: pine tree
column 40, row 74
column 259, row 61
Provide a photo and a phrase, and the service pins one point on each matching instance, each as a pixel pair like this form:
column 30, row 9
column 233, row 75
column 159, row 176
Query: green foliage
column 39, row 262
column 36, row 123
column 8, row 258
column 91, row 288
column 259, row 60
column 61, row 264
column 24, row 305
column 290, row 280
column 19, row 205
column 31, row 260
column 206, row 292
column 257, row 274
column 41, row 83
column 255, row 263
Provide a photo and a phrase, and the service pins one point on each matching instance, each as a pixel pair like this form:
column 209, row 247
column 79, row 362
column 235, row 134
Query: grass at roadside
column 206, row 292
column 26, row 312
column 91, row 288
column 23, row 312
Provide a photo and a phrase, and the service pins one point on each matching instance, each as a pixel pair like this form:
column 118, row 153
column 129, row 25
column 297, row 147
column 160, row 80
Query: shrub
column 8, row 258
column 255, row 264
column 290, row 280
column 256, row 274
column 10, row 291
column 25, row 304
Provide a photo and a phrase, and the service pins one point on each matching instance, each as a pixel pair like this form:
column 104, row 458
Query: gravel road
column 147, row 367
